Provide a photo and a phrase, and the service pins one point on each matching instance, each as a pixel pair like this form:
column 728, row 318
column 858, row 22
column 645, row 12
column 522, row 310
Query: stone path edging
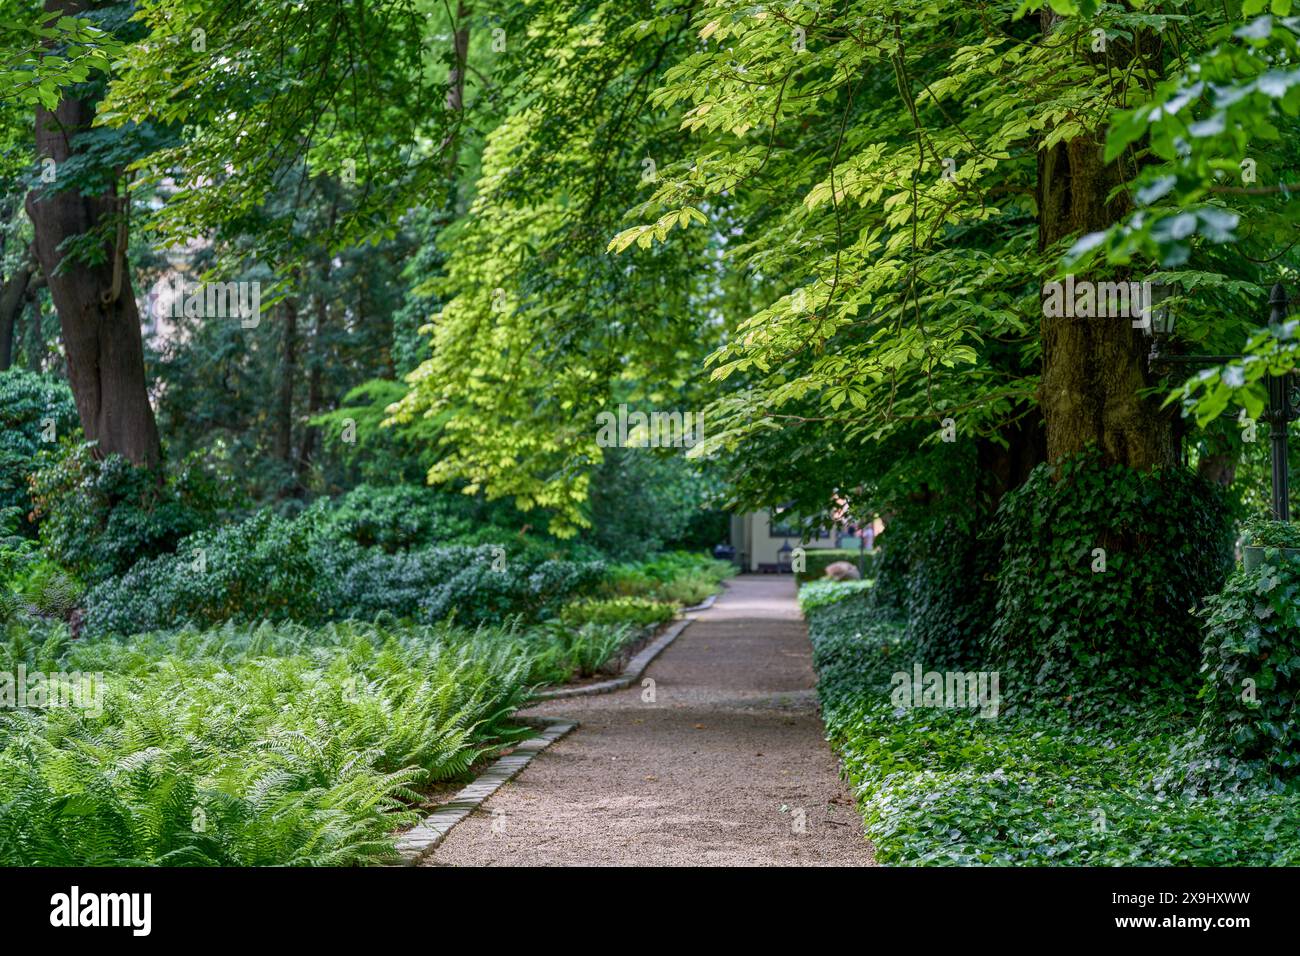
column 703, row 605
column 416, row 843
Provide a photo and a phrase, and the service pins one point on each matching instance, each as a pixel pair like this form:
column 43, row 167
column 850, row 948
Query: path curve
column 727, row 765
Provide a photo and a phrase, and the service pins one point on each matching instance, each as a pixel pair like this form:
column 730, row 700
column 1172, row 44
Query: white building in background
column 759, row 536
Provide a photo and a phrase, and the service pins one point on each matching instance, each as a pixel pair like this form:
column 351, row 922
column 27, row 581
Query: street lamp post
column 1281, row 409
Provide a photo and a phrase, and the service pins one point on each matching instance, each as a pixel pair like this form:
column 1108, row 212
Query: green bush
column 396, row 517
column 475, row 584
column 99, row 517
column 263, row 568
column 670, row 495
column 570, row 649
column 820, row 593
column 1251, row 664
column 1070, row 630
column 677, row 577
column 949, row 599
column 1266, row 533
column 272, row 568
column 28, row 404
column 638, row 612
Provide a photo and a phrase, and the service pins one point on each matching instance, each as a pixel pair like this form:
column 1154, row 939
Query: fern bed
column 267, row 745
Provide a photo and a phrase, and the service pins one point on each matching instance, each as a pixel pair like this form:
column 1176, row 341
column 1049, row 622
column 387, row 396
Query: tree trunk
column 1222, row 452
column 288, row 369
column 314, row 392
column 97, row 312
column 13, row 296
column 1093, row 368
column 456, row 98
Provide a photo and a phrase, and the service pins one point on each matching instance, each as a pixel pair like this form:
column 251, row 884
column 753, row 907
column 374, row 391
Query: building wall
column 751, row 536
column 762, row 545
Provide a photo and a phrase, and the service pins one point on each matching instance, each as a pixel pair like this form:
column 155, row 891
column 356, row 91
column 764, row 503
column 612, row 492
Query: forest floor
column 726, row 765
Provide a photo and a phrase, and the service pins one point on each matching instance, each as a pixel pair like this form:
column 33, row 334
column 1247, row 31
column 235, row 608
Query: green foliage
column 1267, row 533
column 378, row 455
column 643, row 502
column 47, row 589
column 272, row 746
column 940, row 786
column 311, row 570
column 638, row 612
column 675, row 577
column 1251, row 662
column 41, row 54
column 100, row 517
column 824, row 592
column 1069, row 628
column 263, row 568
column 568, row 649
column 473, row 584
column 29, row 405
column 395, row 518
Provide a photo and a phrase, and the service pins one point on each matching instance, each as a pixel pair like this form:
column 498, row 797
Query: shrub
column 1266, row 533
column 476, row 584
column 823, row 592
column 28, row 404
column 47, row 589
column 669, row 496
column 272, row 568
column 678, row 577
column 949, row 601
column 262, row 568
column 582, row 650
column 638, row 612
column 1251, row 663
column 1068, row 629
column 394, row 518
column 100, row 517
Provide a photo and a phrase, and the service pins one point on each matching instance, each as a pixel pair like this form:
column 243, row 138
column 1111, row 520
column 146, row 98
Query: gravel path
column 727, row 764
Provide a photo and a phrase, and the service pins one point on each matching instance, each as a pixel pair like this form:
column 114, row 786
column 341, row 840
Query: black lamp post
column 1281, row 405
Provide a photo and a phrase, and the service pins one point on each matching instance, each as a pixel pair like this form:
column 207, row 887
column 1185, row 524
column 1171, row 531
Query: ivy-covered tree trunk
column 1094, row 369
column 98, row 318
